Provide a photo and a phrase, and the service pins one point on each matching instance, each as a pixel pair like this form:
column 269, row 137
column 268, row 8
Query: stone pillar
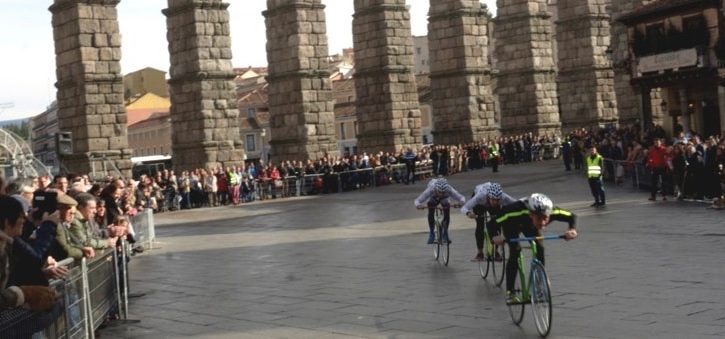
column 526, row 83
column 686, row 125
column 463, row 103
column 586, row 77
column 721, row 106
column 645, row 101
column 204, row 115
column 628, row 108
column 301, row 104
column 90, row 85
column 387, row 108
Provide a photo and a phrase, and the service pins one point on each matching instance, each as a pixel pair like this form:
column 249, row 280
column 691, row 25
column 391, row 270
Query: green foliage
column 22, row 130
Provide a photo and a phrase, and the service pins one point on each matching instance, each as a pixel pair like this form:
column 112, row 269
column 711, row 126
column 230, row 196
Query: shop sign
column 665, row 61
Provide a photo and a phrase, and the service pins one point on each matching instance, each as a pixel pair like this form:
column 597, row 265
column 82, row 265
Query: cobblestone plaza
column 355, row 265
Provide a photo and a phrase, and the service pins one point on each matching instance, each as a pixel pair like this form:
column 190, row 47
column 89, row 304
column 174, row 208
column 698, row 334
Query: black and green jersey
column 516, row 215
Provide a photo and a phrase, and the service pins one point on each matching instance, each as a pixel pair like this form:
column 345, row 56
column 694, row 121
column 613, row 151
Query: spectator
column 66, row 245
column 410, row 158
column 60, row 182
column 38, row 298
column 81, row 229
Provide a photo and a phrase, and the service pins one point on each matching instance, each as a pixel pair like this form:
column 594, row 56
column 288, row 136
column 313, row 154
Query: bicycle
column 440, row 247
column 537, row 291
column 491, row 252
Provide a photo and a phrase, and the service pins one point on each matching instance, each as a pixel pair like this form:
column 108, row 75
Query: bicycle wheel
column 437, row 243
column 540, row 298
column 485, row 264
column 499, row 267
column 516, row 309
column 445, row 248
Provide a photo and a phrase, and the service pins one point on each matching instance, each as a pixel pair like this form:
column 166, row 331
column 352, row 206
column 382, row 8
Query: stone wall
column 90, row 84
column 204, row 115
column 301, row 105
column 526, row 80
column 628, row 97
column 387, row 105
column 586, row 78
column 462, row 99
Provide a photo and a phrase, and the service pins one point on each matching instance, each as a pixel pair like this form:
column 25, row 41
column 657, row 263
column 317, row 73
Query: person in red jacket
column 657, row 164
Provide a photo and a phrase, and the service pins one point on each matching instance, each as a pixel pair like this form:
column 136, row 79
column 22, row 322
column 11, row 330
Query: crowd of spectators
column 686, row 166
column 43, row 222
column 234, row 185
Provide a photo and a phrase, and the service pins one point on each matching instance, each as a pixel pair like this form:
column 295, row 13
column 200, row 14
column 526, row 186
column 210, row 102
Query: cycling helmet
column 540, row 204
column 441, row 185
column 495, row 191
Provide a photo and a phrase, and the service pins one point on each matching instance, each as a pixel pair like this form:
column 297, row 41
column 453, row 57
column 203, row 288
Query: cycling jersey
column 481, row 198
column 429, row 195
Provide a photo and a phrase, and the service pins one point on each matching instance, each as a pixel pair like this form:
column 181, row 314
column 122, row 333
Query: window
column 425, row 139
column 417, row 50
column 342, row 131
column 656, row 39
column 355, row 128
column 251, row 112
column 251, row 147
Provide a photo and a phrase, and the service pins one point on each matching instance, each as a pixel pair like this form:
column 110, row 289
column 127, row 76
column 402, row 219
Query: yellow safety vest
column 593, row 168
column 494, row 150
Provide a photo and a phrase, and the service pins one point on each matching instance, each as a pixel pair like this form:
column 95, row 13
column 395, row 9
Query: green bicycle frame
column 526, row 284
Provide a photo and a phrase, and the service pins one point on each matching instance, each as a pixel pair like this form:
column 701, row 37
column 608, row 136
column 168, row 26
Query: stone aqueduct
column 526, row 88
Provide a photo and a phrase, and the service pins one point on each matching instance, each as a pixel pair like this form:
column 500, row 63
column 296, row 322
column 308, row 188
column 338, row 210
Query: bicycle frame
column 526, row 284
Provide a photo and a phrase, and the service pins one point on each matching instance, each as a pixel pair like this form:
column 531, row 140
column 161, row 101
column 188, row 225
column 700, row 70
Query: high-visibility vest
column 494, row 150
column 593, row 168
column 232, row 178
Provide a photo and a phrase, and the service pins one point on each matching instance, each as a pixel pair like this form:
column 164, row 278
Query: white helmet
column 540, row 204
column 495, row 191
column 441, row 185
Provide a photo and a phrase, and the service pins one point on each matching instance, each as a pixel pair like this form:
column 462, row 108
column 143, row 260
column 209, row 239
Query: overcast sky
column 27, row 56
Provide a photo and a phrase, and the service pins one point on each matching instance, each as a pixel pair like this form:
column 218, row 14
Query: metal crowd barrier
column 85, row 298
column 143, row 225
column 635, row 173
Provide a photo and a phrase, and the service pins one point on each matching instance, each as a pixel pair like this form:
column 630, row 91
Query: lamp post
column 263, row 156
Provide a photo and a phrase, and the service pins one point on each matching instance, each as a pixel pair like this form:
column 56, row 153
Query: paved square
column 355, row 265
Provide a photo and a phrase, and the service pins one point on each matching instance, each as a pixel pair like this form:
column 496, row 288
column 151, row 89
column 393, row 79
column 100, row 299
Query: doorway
column 710, row 118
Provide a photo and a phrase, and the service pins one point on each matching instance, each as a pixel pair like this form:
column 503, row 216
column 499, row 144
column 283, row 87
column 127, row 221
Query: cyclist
column 487, row 199
column 528, row 216
column 438, row 192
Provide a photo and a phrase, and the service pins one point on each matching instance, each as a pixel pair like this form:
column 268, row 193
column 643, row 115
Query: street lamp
column 263, row 156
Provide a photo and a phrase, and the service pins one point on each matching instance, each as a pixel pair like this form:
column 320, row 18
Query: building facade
column 44, row 128
column 676, row 46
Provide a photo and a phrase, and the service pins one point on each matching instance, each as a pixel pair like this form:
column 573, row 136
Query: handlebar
column 544, row 237
column 424, row 207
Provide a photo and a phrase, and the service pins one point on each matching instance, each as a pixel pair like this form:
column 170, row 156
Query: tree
column 22, row 130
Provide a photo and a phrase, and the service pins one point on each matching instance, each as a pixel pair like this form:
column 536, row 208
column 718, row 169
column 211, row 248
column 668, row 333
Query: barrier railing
column 86, row 296
column 143, row 225
column 66, row 320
